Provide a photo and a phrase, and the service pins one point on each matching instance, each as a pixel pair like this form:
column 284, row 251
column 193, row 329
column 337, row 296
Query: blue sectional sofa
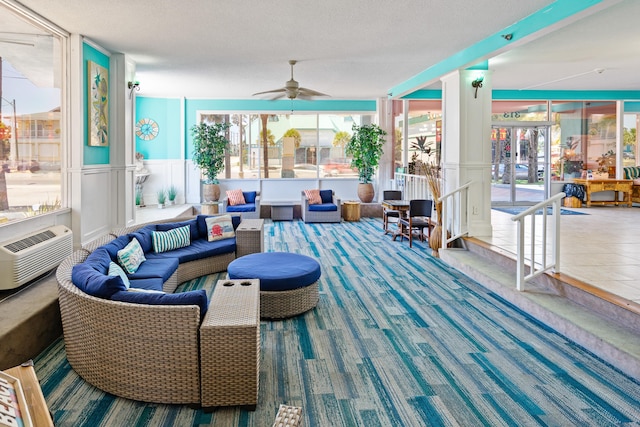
column 633, row 172
column 126, row 332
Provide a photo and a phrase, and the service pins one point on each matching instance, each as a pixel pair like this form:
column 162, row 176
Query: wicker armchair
column 310, row 215
column 254, row 213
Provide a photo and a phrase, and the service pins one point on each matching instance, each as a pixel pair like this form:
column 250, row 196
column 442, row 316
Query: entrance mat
column 515, row 210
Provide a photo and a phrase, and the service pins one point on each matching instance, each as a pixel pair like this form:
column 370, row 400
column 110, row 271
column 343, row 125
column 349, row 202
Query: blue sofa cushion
column 324, row 207
column 277, row 271
column 91, row 276
column 202, row 224
column 197, row 297
column 198, row 249
column 144, row 236
column 116, row 270
column 326, row 196
column 115, row 245
column 247, row 207
column 192, row 223
column 150, row 283
column 249, row 196
column 161, row 267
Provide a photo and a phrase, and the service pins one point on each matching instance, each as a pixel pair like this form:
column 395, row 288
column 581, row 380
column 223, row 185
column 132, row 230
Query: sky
column 29, row 98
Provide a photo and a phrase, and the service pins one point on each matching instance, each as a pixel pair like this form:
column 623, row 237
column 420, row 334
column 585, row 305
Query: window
column 30, row 119
column 293, row 145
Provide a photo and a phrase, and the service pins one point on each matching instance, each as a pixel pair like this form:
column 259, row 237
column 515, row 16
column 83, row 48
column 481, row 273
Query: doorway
column 519, row 163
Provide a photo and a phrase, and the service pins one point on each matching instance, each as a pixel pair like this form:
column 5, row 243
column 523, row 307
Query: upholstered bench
column 288, row 281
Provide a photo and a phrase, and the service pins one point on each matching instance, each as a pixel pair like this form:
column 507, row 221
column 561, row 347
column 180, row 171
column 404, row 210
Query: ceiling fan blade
column 270, row 91
column 311, row 92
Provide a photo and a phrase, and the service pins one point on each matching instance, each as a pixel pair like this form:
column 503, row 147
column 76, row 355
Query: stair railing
column 548, row 230
column 455, row 206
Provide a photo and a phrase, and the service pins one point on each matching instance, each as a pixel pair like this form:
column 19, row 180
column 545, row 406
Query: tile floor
column 600, row 248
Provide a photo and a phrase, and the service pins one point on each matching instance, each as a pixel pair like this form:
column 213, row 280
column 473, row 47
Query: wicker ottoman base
column 282, row 304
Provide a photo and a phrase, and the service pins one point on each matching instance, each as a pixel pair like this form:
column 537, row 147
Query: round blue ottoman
column 288, row 282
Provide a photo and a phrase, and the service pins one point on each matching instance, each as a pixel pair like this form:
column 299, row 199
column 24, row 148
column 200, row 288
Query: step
column 609, row 329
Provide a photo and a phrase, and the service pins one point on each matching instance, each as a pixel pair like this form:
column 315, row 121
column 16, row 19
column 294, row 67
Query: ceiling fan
column 292, row 89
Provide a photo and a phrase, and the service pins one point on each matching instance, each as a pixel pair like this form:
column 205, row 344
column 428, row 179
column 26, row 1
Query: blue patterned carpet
column 398, row 339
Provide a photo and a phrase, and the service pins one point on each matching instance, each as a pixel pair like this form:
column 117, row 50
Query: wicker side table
column 246, row 242
column 230, row 346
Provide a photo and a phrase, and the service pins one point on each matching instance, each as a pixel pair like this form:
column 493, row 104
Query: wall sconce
column 133, row 86
column 477, row 83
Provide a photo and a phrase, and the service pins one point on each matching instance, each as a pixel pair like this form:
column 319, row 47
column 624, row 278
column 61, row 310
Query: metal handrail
column 452, row 223
column 546, row 263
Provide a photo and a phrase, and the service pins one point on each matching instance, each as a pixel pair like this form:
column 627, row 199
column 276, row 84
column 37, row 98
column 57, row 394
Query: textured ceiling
column 356, row 49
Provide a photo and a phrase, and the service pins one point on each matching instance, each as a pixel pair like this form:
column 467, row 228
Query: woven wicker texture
column 147, row 353
column 250, row 237
column 320, row 216
column 142, row 352
column 283, row 304
column 288, row 416
column 230, row 345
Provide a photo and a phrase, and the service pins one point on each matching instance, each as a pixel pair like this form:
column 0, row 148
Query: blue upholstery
column 323, row 207
column 115, row 245
column 250, row 196
column 197, row 297
column 247, row 207
column 91, row 276
column 150, row 283
column 326, row 196
column 198, row 249
column 161, row 268
column 277, row 271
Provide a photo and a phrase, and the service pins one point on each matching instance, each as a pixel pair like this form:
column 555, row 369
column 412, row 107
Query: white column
column 466, row 145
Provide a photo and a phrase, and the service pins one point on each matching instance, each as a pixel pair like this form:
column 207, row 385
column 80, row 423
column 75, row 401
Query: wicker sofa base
column 283, row 304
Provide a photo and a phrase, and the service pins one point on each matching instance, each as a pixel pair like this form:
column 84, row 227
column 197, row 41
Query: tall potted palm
column 209, row 145
column 365, row 147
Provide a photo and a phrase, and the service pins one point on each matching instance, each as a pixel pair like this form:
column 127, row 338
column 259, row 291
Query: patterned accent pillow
column 313, row 196
column 116, row 270
column 235, row 197
column 175, row 238
column 219, row 227
column 131, row 256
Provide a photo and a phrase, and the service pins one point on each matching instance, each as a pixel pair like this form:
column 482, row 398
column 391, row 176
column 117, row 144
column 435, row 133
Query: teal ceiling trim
column 484, row 65
column 424, row 94
column 565, row 95
column 545, row 17
column 632, row 107
column 282, row 105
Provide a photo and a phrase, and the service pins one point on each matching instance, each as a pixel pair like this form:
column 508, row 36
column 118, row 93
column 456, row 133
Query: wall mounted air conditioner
column 27, row 257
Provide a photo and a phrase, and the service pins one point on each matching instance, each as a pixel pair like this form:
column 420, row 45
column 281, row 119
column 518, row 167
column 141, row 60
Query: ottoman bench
column 288, row 281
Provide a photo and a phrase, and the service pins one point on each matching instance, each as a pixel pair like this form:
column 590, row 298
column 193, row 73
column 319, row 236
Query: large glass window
column 424, row 133
column 583, row 138
column 30, row 119
column 630, row 140
column 288, row 145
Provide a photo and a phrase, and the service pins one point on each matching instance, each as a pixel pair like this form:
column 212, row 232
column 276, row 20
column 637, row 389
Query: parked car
column 521, row 171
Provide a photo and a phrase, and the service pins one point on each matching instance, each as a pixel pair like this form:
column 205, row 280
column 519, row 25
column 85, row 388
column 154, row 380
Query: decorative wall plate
column 146, row 129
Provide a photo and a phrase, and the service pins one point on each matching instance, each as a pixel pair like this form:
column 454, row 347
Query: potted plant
column 209, row 145
column 138, row 198
column 172, row 192
column 162, row 197
column 365, row 147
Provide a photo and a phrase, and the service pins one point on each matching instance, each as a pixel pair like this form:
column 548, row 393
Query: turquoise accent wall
column 166, row 113
column 92, row 155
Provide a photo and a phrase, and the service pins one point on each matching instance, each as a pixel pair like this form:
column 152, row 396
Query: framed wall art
column 98, row 105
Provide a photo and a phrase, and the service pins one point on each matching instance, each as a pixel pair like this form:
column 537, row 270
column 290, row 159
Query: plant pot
column 160, row 206
column 210, row 192
column 366, row 192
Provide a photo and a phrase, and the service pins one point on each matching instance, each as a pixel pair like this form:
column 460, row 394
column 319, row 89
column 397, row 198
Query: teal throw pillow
column 116, row 270
column 175, row 238
column 131, row 256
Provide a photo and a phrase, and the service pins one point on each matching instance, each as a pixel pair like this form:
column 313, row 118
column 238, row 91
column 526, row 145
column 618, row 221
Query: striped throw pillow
column 175, row 238
column 313, row 196
column 131, row 256
column 219, row 227
column 235, row 197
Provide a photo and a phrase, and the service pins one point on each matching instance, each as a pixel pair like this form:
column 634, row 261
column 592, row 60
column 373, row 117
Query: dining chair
column 390, row 213
column 418, row 218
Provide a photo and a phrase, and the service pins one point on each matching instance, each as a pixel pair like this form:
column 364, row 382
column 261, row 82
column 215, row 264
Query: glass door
column 520, row 153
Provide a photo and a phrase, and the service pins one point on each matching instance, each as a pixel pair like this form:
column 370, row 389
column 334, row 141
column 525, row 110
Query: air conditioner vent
column 27, row 242
column 28, row 257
